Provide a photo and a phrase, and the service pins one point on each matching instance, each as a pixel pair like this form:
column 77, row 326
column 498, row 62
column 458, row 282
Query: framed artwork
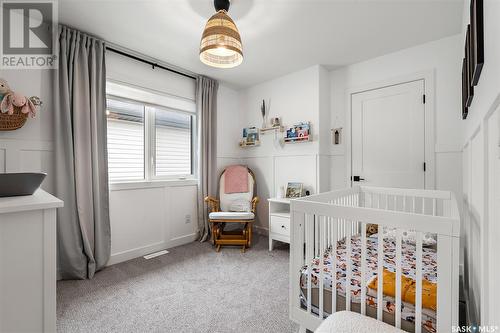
column 294, row 190
column 468, row 65
column 298, row 132
column 476, row 40
column 465, row 109
column 251, row 136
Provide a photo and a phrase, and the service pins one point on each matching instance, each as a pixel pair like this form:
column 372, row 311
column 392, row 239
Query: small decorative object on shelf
column 263, row 112
column 15, row 107
column 298, row 133
column 294, row 190
column 275, row 125
column 251, row 137
column 276, row 122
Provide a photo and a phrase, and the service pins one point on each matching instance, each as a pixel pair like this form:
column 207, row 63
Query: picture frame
column 465, row 109
column 251, row 137
column 294, row 190
column 468, row 65
column 476, row 40
column 298, row 132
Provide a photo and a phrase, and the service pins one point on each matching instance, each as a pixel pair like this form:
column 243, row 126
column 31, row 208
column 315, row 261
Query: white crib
column 319, row 221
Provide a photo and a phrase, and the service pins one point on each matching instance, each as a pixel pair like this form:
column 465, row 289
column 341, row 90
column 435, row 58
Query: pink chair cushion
column 236, row 179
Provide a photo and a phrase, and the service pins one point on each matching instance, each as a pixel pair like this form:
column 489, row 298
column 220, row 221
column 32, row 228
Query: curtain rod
column 154, row 65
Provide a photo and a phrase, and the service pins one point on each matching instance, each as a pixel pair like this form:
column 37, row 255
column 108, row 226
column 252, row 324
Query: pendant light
column 221, row 42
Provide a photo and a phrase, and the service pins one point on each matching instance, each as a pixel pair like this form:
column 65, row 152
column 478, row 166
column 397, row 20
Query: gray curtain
column 206, row 103
column 83, row 229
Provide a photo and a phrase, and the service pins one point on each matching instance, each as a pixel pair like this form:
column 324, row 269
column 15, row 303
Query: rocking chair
column 231, row 208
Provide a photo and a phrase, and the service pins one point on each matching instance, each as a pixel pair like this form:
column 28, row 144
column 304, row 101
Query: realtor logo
column 28, row 31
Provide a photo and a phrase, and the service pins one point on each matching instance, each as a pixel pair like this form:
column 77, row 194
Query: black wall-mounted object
column 465, row 109
column 468, row 53
column 474, row 55
column 476, row 40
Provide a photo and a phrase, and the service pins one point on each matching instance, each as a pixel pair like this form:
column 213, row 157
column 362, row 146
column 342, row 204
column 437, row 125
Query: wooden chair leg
column 213, row 234
column 250, row 231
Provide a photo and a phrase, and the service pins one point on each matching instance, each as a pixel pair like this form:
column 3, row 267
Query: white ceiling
column 279, row 36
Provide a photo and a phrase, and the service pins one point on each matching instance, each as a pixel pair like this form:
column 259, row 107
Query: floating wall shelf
column 297, row 140
column 246, row 145
column 275, row 128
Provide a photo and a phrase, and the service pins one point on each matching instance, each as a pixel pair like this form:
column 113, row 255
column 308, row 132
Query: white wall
column 481, row 165
column 295, row 97
column 30, row 148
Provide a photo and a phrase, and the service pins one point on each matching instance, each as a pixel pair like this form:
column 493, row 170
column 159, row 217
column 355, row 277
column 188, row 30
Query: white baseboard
column 144, row 250
column 135, row 253
column 182, row 240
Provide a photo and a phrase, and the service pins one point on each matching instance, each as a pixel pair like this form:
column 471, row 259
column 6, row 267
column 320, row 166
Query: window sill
column 152, row 184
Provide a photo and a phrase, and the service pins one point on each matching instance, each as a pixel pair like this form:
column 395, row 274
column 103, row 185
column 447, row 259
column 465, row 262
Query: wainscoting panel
column 149, row 219
column 2, row 160
column 28, row 156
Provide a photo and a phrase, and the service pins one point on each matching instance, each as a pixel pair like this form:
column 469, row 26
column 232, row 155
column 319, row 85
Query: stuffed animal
column 371, row 229
column 13, row 99
column 4, row 88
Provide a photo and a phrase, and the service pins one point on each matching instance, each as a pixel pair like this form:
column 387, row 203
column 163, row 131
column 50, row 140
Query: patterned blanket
column 429, row 272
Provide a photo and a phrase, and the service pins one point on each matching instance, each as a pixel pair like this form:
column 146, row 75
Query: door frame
column 428, row 78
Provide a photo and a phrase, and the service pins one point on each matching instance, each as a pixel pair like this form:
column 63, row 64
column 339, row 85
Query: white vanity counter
column 28, row 263
column 39, row 200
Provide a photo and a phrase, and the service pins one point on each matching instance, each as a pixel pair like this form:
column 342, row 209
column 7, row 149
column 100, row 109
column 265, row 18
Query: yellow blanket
column 408, row 289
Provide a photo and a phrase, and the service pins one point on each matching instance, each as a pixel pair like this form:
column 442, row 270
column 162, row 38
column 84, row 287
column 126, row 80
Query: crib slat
column 348, row 268
column 309, row 256
column 363, row 268
column 315, row 237
column 413, row 205
column 321, row 263
column 335, row 227
column 434, row 204
column 418, row 277
column 380, row 267
column 398, row 277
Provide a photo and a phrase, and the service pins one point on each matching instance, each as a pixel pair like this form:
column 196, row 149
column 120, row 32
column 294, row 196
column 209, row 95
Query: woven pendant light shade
column 221, row 42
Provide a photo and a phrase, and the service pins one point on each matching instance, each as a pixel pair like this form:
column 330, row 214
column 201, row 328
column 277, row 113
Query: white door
column 388, row 136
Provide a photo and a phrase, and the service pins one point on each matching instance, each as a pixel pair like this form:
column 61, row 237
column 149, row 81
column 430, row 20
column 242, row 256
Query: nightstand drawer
column 280, row 225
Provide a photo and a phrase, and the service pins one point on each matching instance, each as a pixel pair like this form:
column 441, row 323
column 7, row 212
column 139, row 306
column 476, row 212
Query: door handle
column 356, row 178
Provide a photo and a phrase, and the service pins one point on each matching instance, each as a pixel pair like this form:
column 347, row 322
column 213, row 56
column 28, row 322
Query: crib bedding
column 429, row 273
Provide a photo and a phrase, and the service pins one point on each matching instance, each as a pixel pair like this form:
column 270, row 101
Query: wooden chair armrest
column 213, row 204
column 255, row 201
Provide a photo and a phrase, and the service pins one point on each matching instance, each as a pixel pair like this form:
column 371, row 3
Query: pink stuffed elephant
column 12, row 99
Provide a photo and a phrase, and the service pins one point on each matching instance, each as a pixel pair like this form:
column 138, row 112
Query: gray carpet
column 191, row 289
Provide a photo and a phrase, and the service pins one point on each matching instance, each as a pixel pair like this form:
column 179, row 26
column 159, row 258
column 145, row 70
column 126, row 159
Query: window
column 125, row 141
column 148, row 142
column 173, row 143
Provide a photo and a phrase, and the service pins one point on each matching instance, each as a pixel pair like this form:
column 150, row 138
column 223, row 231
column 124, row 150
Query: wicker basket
column 10, row 122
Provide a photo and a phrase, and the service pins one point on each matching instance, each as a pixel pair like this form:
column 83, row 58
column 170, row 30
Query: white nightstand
column 279, row 220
